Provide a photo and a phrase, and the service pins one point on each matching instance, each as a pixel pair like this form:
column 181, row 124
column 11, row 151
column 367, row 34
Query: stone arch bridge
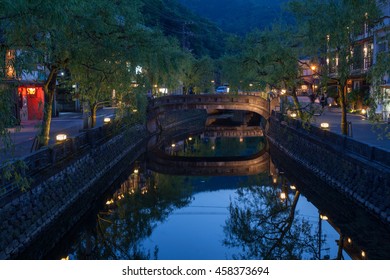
column 252, row 102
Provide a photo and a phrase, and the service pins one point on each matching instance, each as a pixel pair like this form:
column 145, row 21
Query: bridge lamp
column 323, row 217
column 61, row 137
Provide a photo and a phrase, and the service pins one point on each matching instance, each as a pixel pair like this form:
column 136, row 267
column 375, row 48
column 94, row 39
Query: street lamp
column 324, row 125
column 61, row 137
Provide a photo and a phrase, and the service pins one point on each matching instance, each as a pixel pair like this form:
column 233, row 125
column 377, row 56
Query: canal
column 237, row 199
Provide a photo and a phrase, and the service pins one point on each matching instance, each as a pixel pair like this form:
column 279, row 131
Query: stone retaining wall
column 354, row 172
column 34, row 222
column 29, row 220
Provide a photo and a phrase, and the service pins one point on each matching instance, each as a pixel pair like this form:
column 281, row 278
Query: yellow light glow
column 293, row 115
column 283, row 92
column 275, row 180
column 190, row 138
column 364, row 111
column 65, row 258
column 107, row 120
column 31, row 90
column 363, row 254
column 109, row 202
column 173, row 145
column 313, row 67
column 293, row 187
column 283, row 196
column 324, row 125
column 324, row 217
column 136, row 171
column 349, row 240
column 61, row 137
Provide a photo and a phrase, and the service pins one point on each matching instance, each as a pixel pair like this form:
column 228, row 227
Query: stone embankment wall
column 356, row 170
column 36, row 220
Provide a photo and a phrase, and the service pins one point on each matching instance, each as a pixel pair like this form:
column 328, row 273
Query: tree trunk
column 343, row 104
column 93, row 115
column 296, row 102
column 49, row 90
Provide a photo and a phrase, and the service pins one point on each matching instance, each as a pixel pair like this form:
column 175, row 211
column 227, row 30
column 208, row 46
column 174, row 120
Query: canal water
column 151, row 215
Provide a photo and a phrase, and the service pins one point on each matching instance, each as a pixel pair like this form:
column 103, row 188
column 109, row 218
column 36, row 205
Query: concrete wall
column 357, row 171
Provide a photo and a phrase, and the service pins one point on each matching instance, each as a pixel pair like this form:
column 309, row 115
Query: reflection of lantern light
column 31, row 91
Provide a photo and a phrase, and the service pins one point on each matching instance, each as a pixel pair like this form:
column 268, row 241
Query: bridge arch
column 208, row 166
column 252, row 103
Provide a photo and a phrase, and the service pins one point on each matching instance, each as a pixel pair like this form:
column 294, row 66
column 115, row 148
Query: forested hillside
column 194, row 33
column 237, row 16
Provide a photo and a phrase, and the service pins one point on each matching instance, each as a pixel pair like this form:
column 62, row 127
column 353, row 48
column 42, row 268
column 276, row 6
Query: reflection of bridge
column 212, row 102
column 208, row 166
column 240, row 131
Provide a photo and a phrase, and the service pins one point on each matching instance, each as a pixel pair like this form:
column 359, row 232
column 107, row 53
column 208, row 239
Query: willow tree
column 162, row 63
column 198, row 75
column 273, row 58
column 106, row 66
column 329, row 30
column 51, row 43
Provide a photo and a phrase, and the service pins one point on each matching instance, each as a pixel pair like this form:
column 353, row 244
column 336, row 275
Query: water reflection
column 130, row 215
column 264, row 224
column 267, row 215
